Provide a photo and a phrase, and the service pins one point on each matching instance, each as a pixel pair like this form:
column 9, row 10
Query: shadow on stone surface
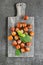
column 6, row 37
column 15, row 10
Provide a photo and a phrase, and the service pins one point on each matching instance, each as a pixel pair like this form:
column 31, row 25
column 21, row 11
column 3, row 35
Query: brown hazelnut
column 22, row 45
column 16, row 37
column 17, row 29
column 24, row 24
column 10, row 37
column 28, row 43
column 26, row 29
column 22, row 50
column 26, row 32
column 31, row 33
column 12, row 29
column 22, row 31
column 29, row 26
column 26, row 17
column 14, row 43
column 27, row 49
column 19, row 24
column 19, row 41
column 18, row 47
column 13, row 33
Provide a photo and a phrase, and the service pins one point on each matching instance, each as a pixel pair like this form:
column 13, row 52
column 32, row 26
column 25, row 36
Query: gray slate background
column 34, row 8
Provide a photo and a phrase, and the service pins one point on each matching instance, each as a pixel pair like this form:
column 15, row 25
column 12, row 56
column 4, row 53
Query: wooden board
column 11, row 51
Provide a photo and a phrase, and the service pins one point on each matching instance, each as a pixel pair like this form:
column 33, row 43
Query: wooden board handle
column 21, row 9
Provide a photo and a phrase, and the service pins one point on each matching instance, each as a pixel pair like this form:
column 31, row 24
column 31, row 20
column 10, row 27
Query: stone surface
column 34, row 8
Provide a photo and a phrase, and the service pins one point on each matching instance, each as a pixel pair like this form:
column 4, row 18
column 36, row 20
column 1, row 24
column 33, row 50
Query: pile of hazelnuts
column 17, row 43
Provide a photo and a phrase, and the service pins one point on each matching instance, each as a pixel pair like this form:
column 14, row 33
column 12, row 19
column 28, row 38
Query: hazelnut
column 19, row 25
column 26, row 17
column 14, row 43
column 24, row 24
column 28, row 43
column 22, row 31
column 30, row 37
column 32, row 33
column 17, row 29
column 26, row 29
column 27, row 49
column 22, row 50
column 18, row 47
column 22, row 45
column 13, row 33
column 16, row 37
column 26, row 32
column 29, row 26
column 10, row 37
column 12, row 29
column 19, row 41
